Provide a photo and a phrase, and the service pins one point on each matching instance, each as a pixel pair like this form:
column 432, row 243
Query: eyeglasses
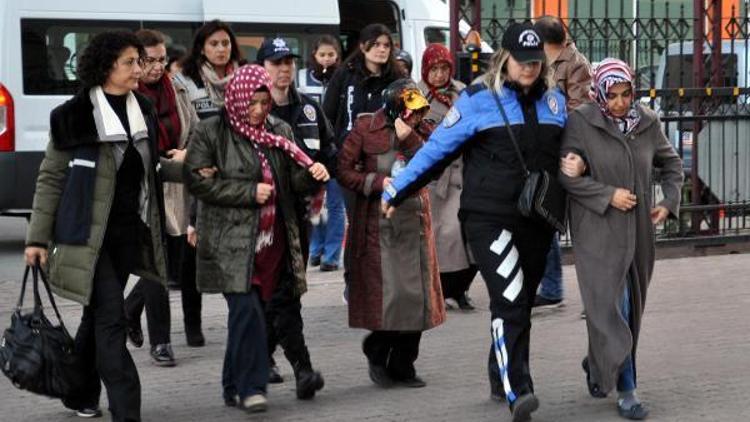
column 151, row 61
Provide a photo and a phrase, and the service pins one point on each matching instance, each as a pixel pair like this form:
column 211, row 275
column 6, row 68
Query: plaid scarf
column 435, row 54
column 237, row 96
column 163, row 98
column 611, row 72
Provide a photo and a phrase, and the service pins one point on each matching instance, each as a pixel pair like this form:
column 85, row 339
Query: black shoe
column 325, row 267
column 194, row 336
column 415, row 382
column 87, row 412
column 465, row 303
column 135, row 334
column 162, row 355
column 523, row 406
column 543, row 302
column 594, row 389
column 173, row 284
column 308, row 382
column 379, row 375
column 314, row 261
column 274, row 375
column 231, row 400
column 636, row 412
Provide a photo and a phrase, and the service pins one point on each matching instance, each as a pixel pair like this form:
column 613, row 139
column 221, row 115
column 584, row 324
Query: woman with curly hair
column 99, row 211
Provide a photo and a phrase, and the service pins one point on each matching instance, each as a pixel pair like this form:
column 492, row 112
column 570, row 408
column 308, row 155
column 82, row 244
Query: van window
column 354, row 17
column 179, row 35
column 50, row 48
column 437, row 35
column 299, row 38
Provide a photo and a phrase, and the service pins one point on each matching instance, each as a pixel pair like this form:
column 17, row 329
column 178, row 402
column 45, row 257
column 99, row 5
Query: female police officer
column 510, row 249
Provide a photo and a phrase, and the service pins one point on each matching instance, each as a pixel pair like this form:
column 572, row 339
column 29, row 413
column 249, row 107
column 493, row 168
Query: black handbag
column 35, row 354
column 542, row 195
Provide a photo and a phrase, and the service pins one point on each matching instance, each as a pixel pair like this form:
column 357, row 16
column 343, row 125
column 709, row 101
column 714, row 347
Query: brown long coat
column 394, row 282
column 609, row 243
column 445, row 196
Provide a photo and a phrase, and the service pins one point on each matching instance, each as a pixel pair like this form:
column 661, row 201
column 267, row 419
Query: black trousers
column 511, row 259
column 100, row 341
column 284, row 326
column 245, row 371
column 155, row 298
column 456, row 283
column 192, row 302
column 395, row 350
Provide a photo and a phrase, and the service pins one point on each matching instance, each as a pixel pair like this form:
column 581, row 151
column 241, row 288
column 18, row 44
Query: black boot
column 194, row 335
column 308, row 381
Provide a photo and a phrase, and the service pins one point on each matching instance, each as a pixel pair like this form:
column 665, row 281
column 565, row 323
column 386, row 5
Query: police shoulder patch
column 452, row 117
column 310, row 113
column 552, row 103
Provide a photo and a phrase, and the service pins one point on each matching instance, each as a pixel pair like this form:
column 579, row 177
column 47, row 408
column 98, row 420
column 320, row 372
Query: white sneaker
column 255, row 404
column 451, row 304
column 89, row 413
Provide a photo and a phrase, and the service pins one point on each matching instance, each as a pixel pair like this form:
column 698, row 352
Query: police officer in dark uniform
column 314, row 135
column 510, row 249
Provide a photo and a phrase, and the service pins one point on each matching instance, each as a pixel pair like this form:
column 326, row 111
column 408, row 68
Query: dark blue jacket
column 474, row 127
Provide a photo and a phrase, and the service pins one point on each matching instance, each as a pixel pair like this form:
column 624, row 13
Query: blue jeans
column 626, row 380
column 245, row 371
column 551, row 286
column 326, row 238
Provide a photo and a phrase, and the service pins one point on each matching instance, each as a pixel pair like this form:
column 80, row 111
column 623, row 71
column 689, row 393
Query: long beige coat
column 609, row 243
column 176, row 196
column 445, row 197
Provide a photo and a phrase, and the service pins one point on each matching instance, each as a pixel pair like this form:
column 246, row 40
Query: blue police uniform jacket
column 474, row 128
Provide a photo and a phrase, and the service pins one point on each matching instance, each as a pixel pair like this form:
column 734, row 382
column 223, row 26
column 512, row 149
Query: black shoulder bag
column 35, row 354
column 542, row 195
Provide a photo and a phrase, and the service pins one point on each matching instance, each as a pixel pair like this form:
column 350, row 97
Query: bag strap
column 510, row 132
column 40, row 271
column 19, row 305
column 37, row 299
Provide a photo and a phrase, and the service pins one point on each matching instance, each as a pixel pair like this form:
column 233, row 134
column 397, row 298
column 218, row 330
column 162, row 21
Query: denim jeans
column 551, row 286
column 245, row 371
column 326, row 238
column 626, row 380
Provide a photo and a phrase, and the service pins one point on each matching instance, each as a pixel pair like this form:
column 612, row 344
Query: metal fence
column 701, row 95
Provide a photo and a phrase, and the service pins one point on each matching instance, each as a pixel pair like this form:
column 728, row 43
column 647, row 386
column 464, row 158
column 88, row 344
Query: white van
column 723, row 144
column 40, row 41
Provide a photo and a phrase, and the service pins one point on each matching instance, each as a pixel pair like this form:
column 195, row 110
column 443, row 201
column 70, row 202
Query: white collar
column 109, row 126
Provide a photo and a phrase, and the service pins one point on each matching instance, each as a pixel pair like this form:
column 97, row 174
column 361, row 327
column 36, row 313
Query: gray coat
column 445, row 197
column 609, row 243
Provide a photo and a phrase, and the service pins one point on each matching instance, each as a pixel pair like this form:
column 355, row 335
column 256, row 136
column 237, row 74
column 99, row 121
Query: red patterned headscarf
column 433, row 55
column 239, row 92
column 608, row 73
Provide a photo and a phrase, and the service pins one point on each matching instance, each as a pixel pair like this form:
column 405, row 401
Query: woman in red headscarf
column 248, row 175
column 456, row 269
